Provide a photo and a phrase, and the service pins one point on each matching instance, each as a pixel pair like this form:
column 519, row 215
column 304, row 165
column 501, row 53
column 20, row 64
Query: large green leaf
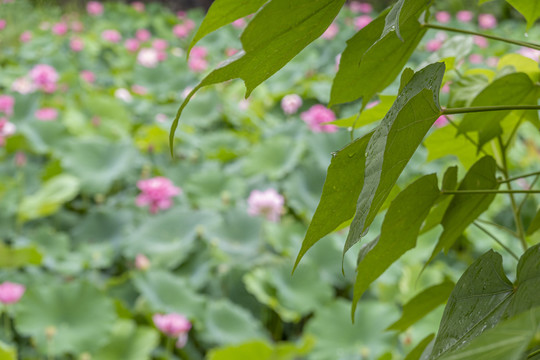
column 512, row 89
column 370, row 115
column 376, row 54
column 49, row 198
column 530, row 9
column 79, row 315
column 7, row 352
column 14, row 257
column 279, row 31
column 262, row 350
column 344, row 181
column 422, row 304
column 129, row 342
column 223, row 12
column 416, row 353
column 398, row 233
column 394, row 142
column 465, row 208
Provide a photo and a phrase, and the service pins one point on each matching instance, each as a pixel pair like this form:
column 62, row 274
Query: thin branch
column 475, row 109
column 496, row 240
column 499, row 226
column 520, row 177
column 488, row 191
column 527, row 195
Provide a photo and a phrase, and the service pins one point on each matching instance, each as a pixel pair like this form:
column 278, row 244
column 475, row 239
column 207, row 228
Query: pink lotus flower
column 443, row 17
column 60, row 28
column 10, row 293
column 239, row 24
column 359, row 7
column 198, row 51
column 142, row 262
column 138, row 6
column 173, row 325
column 2, row 24
column 94, row 8
column 433, row 45
column 23, row 85
column 181, row 31
column 88, row 76
column 190, row 24
column 317, row 116
column 267, row 203
column 6, row 130
column 362, row 21
column 161, row 56
column 476, row 59
column 291, row 103
column 132, row 45
column 46, row 114
column 26, row 36
column 143, row 35
column 148, row 57
column 157, row 193
column 331, row 32
column 441, row 121
column 197, row 64
column 44, row 77
column 160, row 44
column 487, row 21
column 464, row 16
column 111, row 35
column 76, row 44
column 480, row 41
column 7, row 103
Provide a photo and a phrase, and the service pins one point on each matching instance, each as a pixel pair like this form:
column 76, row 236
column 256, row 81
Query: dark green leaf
column 344, row 181
column 535, row 224
column 437, row 212
column 416, row 353
column 394, row 142
column 129, row 342
column 530, row 9
column 223, row 12
column 398, row 233
column 278, row 32
column 422, row 304
column 402, row 11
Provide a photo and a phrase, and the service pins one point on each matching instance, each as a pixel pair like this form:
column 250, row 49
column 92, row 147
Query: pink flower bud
column 143, row 35
column 138, row 6
column 10, row 293
column 267, row 203
column 443, row 17
column 111, row 35
column 464, row 16
column 94, row 8
column 26, row 36
column 60, row 28
column 7, row 103
column 291, row 103
column 88, row 76
column 76, row 44
column 46, row 114
column 142, row 262
column 132, row 45
column 172, row 325
column 487, row 21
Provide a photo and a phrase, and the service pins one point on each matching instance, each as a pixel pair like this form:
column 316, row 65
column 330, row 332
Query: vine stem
column 489, row 191
column 519, row 177
column 475, row 109
column 487, row 36
column 496, row 240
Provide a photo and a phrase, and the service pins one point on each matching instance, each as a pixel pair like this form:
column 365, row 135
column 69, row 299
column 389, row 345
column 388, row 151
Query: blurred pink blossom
column 26, row 36
column 530, row 53
column 230, row 51
column 94, row 8
column 181, row 31
column 2, row 24
column 143, row 35
column 132, row 45
column 44, row 77
column 76, row 44
column 60, row 28
column 487, row 21
column 338, row 61
column 443, row 17
column 46, row 114
column 268, row 203
column 476, row 59
column 197, row 64
column 160, row 44
column 446, row 88
column 156, row 193
column 480, row 41
column 492, row 61
column 181, row 14
column 291, row 103
column 198, row 51
column 464, row 16
column 23, row 85
column 111, row 35
column 123, row 94
column 441, row 121
column 162, row 55
column 161, row 118
column 139, row 89
column 148, row 57
column 7, row 103
column 331, row 32
column 433, row 45
column 172, row 325
column 239, row 24
column 316, row 116
column 181, row 341
column 190, row 24
column 357, row 7
column 362, row 21
column 142, row 262
column 88, row 76
column 77, row 26
column 20, row 159
column 10, row 293
column 138, row 6
column 6, row 130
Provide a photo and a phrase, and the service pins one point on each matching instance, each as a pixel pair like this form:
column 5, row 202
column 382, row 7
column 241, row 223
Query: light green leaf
column 465, row 208
column 7, row 352
column 344, row 180
column 423, row 303
column 401, row 12
column 129, row 342
column 521, row 64
column 398, row 233
column 437, row 212
column 512, row 89
column 49, row 198
column 223, row 12
column 418, row 350
column 15, row 257
column 262, row 350
column 368, row 116
column 278, row 32
column 394, row 142
column 80, row 316
column 530, row 9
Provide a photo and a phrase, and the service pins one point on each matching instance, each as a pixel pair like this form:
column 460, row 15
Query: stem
column 536, row 352
column 475, row 109
column 7, row 325
column 487, row 36
column 520, row 177
column 500, row 227
column 169, row 347
column 527, row 195
column 496, row 240
column 489, row 191
column 515, row 210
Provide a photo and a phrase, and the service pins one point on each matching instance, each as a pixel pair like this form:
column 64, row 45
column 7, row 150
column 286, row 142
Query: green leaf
column 394, row 142
column 80, row 316
column 437, row 212
column 11, row 257
column 49, row 198
column 398, row 233
column 418, row 350
column 521, row 64
column 423, row 303
column 278, row 33
column 129, row 342
column 368, row 116
column 223, row 12
column 344, row 180
column 530, row 9
column 7, row 352
column 372, row 61
column 535, row 224
column 400, row 14
column 512, row 89
column 262, row 350
column 465, row 208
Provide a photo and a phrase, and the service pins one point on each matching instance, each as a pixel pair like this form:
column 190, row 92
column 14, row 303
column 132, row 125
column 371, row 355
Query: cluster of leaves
column 485, row 309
